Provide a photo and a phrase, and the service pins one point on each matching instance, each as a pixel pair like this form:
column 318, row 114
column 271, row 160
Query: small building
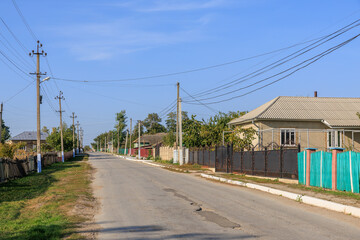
column 148, row 140
column 318, row 122
column 29, row 138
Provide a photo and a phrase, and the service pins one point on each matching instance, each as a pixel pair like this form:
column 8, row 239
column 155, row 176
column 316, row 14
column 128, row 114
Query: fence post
column 216, row 158
column 231, row 157
column 227, row 158
column 281, row 161
column 209, row 162
column 334, row 152
column 203, row 156
column 252, row 161
column 2, row 173
column 266, row 161
column 242, row 160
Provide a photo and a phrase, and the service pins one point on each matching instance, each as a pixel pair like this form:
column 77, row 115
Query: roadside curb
column 354, row 211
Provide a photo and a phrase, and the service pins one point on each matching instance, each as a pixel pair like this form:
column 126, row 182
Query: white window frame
column 334, row 138
column 290, row 130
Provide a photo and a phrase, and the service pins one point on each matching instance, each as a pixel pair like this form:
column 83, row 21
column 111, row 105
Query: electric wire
column 210, row 108
column 17, row 93
column 24, row 20
column 279, row 62
column 315, row 59
column 191, row 70
column 13, row 63
column 14, row 36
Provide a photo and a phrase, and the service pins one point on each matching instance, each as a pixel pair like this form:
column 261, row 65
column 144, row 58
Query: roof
column 29, row 136
column 151, row 138
column 335, row 112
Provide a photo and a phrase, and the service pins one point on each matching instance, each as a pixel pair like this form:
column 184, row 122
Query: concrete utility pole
column 127, row 133
column 118, row 140
column 78, row 135
column 73, row 118
column 180, row 154
column 177, row 115
column 130, row 133
column 61, row 97
column 1, row 111
column 112, row 142
column 82, row 138
column 139, row 142
column 105, row 145
column 38, row 127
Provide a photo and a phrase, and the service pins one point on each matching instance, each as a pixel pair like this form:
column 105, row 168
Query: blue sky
column 106, row 40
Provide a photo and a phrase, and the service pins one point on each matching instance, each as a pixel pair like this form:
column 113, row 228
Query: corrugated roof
column 337, row 112
column 29, row 136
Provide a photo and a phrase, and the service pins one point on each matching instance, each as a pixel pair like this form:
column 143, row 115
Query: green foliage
column 54, row 139
column 8, row 150
column 208, row 133
column 169, row 139
column 5, row 132
column 242, row 138
column 171, row 120
column 152, row 124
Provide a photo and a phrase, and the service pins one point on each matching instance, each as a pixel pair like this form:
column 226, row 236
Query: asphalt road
column 139, row 201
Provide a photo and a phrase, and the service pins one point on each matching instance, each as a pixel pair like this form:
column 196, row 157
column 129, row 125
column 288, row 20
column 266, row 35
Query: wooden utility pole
column 139, row 142
column 127, row 133
column 1, row 111
column 177, row 115
column 61, row 97
column 130, row 133
column 180, row 153
column 73, row 118
column 78, row 135
column 38, row 126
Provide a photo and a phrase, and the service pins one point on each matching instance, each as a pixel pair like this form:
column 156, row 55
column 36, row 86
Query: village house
column 316, row 122
column 29, row 139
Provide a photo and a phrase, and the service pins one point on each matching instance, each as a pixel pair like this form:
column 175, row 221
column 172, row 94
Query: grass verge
column 40, row 206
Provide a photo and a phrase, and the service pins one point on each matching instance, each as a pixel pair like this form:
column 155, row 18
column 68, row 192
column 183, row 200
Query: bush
column 8, row 150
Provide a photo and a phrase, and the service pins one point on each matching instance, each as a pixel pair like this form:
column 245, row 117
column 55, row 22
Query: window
column 334, row 138
column 287, row 137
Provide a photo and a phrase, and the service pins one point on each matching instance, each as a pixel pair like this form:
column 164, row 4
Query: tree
column 169, row 139
column 191, row 135
column 5, row 132
column 136, row 130
column 45, row 130
column 152, row 124
column 120, row 126
column 242, row 138
column 8, row 150
column 54, row 139
column 171, row 120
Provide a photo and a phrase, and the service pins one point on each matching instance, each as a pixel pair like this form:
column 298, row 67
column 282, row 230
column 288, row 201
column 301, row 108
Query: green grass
column 38, row 206
column 243, row 178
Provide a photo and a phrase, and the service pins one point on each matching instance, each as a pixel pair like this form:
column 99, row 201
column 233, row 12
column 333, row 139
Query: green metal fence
column 123, row 151
column 302, row 167
column 348, row 168
column 320, row 169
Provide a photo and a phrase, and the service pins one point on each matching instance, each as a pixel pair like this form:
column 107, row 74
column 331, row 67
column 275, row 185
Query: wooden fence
column 11, row 169
column 273, row 163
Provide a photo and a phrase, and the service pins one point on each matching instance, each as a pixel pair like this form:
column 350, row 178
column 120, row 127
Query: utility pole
column 118, row 140
column 177, row 115
column 127, row 133
column 73, row 118
column 180, row 154
column 38, row 126
column 139, row 141
column 1, row 111
column 82, row 138
column 61, row 97
column 105, row 145
column 78, row 135
column 112, row 142
column 130, row 133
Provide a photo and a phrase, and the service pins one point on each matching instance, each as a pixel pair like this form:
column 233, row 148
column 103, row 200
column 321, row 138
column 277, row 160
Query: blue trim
column 337, row 148
column 314, row 149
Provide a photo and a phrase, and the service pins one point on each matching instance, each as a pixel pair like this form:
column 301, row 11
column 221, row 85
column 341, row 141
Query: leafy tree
column 5, row 132
column 169, row 139
column 54, row 139
column 8, row 150
column 45, row 130
column 120, row 126
column 242, row 138
column 191, row 132
column 171, row 120
column 152, row 124
column 136, row 130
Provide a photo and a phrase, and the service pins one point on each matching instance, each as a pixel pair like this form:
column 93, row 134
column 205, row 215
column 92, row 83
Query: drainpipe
column 253, row 122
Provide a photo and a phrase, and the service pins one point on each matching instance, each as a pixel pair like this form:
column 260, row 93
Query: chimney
column 315, row 94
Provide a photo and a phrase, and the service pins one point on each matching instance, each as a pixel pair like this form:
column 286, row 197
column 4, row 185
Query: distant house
column 148, row 140
column 319, row 122
column 29, row 138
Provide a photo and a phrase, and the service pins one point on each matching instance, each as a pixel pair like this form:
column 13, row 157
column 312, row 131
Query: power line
column 13, row 63
column 279, row 62
column 24, row 20
column 210, row 108
column 13, row 35
column 316, row 58
column 17, row 93
column 188, row 71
